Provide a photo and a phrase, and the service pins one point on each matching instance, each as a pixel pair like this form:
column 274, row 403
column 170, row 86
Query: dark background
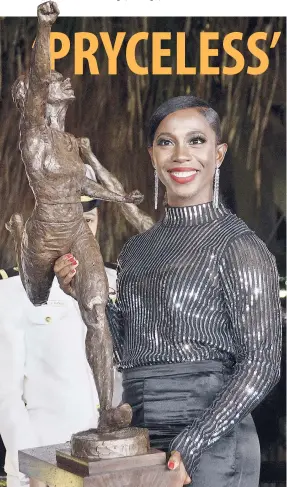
column 113, row 110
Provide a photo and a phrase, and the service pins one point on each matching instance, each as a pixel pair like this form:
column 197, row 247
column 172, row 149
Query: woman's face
column 91, row 218
column 185, row 154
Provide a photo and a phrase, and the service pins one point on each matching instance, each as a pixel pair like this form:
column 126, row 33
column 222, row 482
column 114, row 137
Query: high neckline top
column 194, row 215
column 200, row 285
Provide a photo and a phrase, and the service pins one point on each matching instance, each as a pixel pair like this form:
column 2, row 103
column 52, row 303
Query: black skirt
column 166, row 398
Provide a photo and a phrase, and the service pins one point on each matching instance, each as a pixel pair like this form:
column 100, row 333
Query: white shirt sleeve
column 15, row 426
column 24, row 367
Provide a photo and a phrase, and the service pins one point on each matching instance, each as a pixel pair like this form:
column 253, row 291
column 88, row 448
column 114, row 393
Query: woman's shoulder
column 242, row 241
column 134, row 242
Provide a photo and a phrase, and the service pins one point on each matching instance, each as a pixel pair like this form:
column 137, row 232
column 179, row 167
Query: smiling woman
column 184, row 145
column 196, row 327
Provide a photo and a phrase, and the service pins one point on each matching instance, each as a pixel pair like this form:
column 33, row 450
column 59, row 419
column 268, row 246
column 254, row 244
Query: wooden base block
column 55, row 466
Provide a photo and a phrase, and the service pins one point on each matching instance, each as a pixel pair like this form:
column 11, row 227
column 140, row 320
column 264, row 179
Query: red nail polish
column 171, row 465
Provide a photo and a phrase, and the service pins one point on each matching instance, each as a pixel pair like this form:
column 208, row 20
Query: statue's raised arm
column 40, row 69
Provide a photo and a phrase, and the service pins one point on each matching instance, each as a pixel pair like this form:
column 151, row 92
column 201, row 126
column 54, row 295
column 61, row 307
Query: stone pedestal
column 55, row 466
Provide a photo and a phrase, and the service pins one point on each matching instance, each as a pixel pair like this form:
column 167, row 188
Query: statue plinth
column 126, row 442
column 57, row 467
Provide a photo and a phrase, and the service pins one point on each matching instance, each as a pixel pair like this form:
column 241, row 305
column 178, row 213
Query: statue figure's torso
column 55, row 170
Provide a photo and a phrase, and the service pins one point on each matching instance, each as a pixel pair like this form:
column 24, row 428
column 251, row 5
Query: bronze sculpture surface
column 136, row 217
column 56, row 175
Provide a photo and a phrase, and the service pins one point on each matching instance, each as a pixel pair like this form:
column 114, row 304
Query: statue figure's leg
column 34, row 261
column 16, row 227
column 91, row 288
column 99, row 351
column 38, row 275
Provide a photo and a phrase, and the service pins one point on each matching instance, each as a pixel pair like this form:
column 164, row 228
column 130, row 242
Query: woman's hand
column 65, row 269
column 176, row 462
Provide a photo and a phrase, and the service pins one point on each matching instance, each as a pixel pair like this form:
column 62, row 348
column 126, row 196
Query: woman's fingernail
column 170, row 465
column 74, row 271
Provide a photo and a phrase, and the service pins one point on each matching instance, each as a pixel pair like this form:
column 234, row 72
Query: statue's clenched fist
column 48, row 12
column 84, row 144
column 134, row 197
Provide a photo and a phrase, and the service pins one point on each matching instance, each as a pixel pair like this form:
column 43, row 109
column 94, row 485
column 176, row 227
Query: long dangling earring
column 165, row 199
column 155, row 189
column 216, row 187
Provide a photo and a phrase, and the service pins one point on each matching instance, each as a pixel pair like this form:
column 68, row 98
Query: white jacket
column 47, row 390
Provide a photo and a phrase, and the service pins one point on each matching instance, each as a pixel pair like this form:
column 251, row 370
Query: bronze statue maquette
column 56, row 175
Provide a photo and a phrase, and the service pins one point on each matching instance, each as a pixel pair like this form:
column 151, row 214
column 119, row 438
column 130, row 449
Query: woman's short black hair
column 180, row 103
column 90, row 205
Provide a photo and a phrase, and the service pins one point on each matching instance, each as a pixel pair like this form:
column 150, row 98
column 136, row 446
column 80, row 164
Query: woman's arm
column 251, row 289
column 136, row 217
column 39, row 75
column 115, row 320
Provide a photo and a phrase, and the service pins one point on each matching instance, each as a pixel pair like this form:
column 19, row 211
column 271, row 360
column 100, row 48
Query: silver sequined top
column 200, row 285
